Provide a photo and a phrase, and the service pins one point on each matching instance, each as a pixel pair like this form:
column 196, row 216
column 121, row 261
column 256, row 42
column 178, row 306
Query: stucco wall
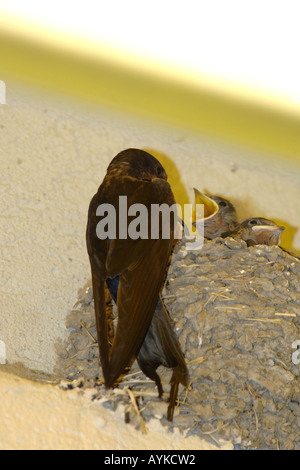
column 37, row 416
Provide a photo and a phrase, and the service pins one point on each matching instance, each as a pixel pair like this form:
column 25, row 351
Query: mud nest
column 236, row 311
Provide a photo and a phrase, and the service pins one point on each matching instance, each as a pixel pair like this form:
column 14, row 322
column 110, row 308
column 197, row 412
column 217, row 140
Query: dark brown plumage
column 134, row 270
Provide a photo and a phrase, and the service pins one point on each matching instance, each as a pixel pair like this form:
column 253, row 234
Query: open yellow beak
column 210, row 206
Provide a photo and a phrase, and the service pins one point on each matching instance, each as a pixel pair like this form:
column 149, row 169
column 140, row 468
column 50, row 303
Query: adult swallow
column 219, row 215
column 134, row 271
column 257, row 231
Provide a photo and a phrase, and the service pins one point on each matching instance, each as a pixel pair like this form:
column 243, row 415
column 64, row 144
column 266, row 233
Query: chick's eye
column 223, row 204
column 253, row 222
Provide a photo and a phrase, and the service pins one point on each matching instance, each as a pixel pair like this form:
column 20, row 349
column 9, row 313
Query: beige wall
column 43, row 417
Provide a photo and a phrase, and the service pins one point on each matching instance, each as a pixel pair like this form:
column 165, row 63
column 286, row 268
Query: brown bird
column 219, row 215
column 257, row 231
column 134, row 270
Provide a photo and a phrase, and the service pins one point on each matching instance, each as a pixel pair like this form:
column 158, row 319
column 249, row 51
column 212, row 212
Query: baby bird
column 257, row 231
column 219, row 215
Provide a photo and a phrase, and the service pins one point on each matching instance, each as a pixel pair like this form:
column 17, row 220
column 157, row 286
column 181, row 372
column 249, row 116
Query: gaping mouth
column 267, row 228
column 267, row 234
column 210, row 206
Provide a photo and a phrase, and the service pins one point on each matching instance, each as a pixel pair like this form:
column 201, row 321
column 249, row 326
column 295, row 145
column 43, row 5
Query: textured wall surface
column 43, row 417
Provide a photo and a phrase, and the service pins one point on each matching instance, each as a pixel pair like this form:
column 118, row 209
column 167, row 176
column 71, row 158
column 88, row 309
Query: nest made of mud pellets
column 236, row 311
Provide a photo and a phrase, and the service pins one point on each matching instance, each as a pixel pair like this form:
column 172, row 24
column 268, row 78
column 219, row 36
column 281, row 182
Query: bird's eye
column 223, row 204
column 253, row 222
column 160, row 172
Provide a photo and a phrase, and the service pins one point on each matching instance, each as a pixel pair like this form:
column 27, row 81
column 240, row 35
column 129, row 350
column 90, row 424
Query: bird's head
column 137, row 164
column 260, row 231
column 219, row 214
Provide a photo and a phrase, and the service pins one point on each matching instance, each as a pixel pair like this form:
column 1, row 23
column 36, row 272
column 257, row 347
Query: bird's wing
column 141, row 266
column 101, row 321
column 137, row 297
column 97, row 250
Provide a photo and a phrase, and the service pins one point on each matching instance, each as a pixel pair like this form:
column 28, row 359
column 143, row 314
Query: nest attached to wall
column 236, row 311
